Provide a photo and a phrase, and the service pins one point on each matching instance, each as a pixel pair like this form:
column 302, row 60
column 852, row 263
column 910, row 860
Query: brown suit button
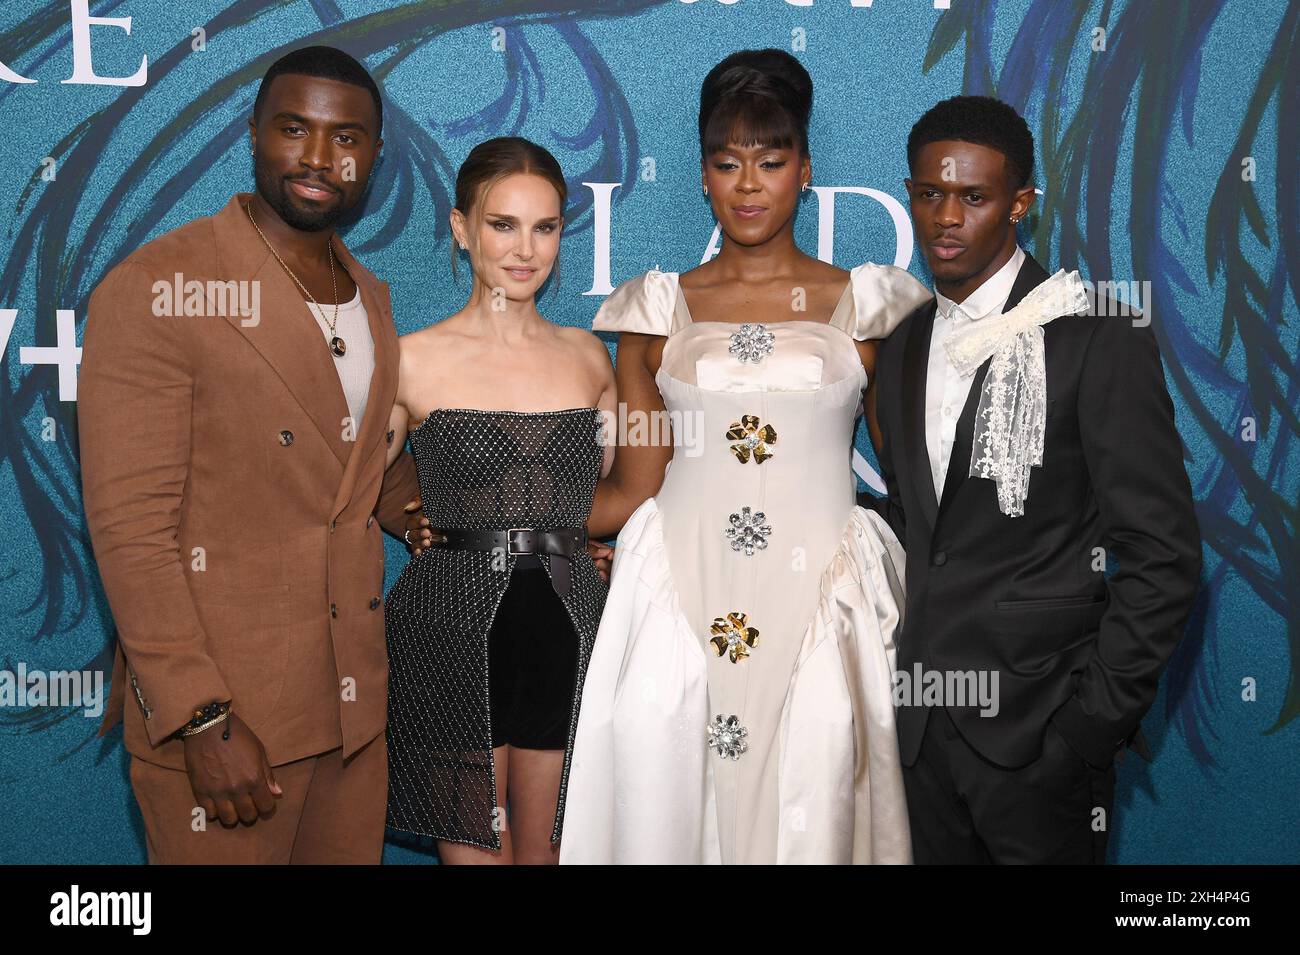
column 389, row 436
column 333, row 524
column 374, row 603
column 286, row 438
column 334, row 610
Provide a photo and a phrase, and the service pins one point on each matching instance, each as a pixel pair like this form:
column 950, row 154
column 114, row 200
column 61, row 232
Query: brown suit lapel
column 383, row 383
column 287, row 337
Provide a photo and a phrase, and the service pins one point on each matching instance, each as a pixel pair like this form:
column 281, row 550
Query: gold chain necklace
column 337, row 345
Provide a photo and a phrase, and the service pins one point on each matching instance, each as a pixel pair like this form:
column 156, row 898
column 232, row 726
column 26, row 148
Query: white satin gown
column 738, row 704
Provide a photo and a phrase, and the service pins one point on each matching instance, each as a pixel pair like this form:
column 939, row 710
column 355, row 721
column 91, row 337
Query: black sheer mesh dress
column 488, row 470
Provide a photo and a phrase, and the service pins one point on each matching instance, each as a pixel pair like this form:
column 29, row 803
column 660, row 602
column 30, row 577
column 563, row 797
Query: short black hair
column 326, row 63
column 982, row 120
column 756, row 98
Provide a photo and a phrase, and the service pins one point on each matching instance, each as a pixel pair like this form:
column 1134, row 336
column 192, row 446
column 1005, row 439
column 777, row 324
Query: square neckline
column 680, row 302
column 830, row 322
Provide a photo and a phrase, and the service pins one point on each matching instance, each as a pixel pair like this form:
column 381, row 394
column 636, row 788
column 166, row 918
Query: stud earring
column 706, row 190
column 805, row 187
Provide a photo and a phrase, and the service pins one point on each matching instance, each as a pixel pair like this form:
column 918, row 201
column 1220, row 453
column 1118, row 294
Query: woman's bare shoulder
column 432, row 342
column 589, row 349
column 825, row 274
column 703, row 276
column 581, row 338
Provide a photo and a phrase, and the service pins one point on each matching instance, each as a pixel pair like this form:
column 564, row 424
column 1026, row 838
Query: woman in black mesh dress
column 490, row 627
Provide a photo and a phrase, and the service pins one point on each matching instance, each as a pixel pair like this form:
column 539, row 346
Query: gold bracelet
column 206, row 716
column 201, row 727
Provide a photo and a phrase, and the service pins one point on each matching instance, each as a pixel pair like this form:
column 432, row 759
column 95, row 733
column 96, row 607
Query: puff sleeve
column 883, row 295
column 645, row 304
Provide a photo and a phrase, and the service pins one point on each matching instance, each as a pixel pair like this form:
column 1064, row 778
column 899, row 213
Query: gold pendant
column 338, row 346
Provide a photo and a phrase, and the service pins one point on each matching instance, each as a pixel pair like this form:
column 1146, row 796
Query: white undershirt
column 358, row 362
column 946, row 391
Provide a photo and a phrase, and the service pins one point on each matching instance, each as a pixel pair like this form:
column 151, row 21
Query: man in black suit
column 1012, row 586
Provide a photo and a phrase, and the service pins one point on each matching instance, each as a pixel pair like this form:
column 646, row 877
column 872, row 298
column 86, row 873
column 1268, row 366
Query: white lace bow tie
column 1011, row 420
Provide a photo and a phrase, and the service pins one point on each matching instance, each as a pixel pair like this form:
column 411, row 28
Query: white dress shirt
column 945, row 390
column 358, row 361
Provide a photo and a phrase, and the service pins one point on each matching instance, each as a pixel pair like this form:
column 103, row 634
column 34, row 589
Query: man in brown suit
column 234, row 484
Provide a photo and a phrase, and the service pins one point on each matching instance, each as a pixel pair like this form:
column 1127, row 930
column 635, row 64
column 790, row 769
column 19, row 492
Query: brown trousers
column 331, row 813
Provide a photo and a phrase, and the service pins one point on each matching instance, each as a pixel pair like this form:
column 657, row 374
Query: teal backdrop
column 1161, row 162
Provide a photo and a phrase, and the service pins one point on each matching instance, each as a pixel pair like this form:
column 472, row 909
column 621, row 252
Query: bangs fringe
column 748, row 120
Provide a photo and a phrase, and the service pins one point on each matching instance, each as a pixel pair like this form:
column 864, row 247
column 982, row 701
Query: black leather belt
column 556, row 544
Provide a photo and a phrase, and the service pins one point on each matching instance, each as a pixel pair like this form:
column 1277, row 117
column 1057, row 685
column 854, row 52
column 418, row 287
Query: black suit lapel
column 1030, row 276
column 916, row 359
column 959, row 460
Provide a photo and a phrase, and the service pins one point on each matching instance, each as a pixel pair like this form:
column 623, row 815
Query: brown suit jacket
column 233, row 521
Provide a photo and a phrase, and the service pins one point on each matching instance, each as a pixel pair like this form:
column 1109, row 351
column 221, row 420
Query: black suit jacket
column 1020, row 595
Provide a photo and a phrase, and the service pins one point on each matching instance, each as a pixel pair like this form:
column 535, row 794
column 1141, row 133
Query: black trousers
column 965, row 810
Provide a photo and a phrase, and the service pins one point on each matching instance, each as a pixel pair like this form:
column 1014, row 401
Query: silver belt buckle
column 510, row 541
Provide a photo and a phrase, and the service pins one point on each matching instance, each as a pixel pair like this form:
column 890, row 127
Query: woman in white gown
column 738, row 704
